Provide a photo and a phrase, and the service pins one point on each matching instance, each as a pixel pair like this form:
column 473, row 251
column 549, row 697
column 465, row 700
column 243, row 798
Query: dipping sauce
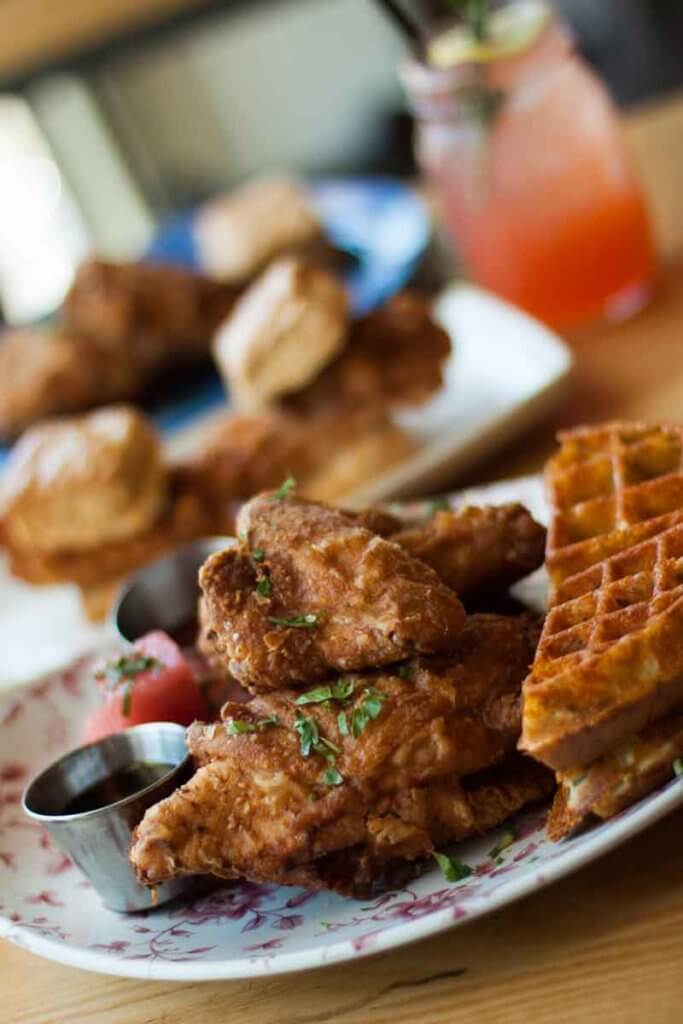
column 126, row 782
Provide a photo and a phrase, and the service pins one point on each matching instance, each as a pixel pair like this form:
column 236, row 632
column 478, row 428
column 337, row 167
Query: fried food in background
column 326, row 595
column 285, row 328
column 123, row 325
column 393, row 359
column 44, row 373
column 477, row 550
column 609, row 667
column 329, row 455
column 151, row 314
column 74, row 484
column 89, row 499
column 405, row 778
column 238, row 234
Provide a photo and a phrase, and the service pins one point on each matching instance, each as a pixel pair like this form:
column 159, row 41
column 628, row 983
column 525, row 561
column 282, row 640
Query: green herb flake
column 406, row 671
column 369, row 708
column 307, row 730
column 678, row 766
column 263, row 587
column 331, row 777
column 453, row 870
column 127, row 703
column 327, row 748
column 128, row 667
column 436, row 505
column 284, row 490
column 258, row 554
column 506, row 839
column 296, row 621
column 239, row 726
column 343, row 723
column 341, row 690
column 315, row 696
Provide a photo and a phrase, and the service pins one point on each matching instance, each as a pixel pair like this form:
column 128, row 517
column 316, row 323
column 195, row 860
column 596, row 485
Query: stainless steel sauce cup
column 98, row 840
column 163, row 594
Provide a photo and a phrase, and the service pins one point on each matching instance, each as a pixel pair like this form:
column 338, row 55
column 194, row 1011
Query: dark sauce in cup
column 126, row 782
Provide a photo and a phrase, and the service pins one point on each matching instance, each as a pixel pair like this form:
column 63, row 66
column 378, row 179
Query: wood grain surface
column 605, row 944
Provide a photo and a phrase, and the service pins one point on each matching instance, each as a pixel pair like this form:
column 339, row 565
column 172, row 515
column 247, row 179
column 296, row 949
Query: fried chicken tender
column 394, row 358
column 149, row 314
column 263, row 805
column 323, row 595
column 44, row 373
column 477, row 550
column 72, row 484
column 241, row 455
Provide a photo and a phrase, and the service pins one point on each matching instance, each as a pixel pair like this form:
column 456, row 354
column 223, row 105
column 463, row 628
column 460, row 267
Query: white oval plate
column 244, row 930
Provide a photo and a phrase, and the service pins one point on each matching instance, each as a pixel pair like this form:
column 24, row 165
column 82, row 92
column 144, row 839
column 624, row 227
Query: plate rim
column 591, row 846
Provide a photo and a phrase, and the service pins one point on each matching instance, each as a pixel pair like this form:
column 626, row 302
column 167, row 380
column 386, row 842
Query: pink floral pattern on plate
column 242, row 929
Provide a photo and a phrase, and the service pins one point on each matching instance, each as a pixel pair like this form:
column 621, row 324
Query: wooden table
column 603, row 945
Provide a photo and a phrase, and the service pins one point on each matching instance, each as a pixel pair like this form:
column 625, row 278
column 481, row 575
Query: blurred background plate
column 381, row 223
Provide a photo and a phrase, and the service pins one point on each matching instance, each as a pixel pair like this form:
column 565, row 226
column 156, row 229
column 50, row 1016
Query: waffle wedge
column 610, row 660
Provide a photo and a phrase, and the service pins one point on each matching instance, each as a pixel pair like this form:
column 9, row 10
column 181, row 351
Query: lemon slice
column 511, row 30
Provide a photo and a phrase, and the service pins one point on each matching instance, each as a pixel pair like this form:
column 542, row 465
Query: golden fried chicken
column 367, row 764
column 147, row 313
column 73, row 484
column 310, row 592
column 476, row 550
column 394, row 358
column 330, row 457
column 48, row 372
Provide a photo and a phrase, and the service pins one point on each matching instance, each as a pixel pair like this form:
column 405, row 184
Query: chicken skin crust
column 309, row 592
column 477, row 550
column 260, row 807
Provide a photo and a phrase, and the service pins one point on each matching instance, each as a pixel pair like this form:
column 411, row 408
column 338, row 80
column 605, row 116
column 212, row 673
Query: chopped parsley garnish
column 506, row 839
column 311, row 740
column 678, row 766
column 127, row 702
column 343, row 723
column 405, row 671
column 296, row 621
column 284, row 490
column 258, row 554
column 327, row 748
column 341, row 690
column 308, row 732
column 263, row 586
column 331, row 777
column 453, row 870
column 436, row 505
column 238, row 726
column 128, row 668
column 369, row 708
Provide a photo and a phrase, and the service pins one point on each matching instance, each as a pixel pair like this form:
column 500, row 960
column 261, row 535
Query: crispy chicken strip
column 147, row 313
column 476, row 550
column 48, row 372
column 407, row 831
column 282, row 784
column 394, row 358
column 323, row 594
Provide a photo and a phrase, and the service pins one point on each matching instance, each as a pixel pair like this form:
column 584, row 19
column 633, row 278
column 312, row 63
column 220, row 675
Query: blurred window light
column 42, row 234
